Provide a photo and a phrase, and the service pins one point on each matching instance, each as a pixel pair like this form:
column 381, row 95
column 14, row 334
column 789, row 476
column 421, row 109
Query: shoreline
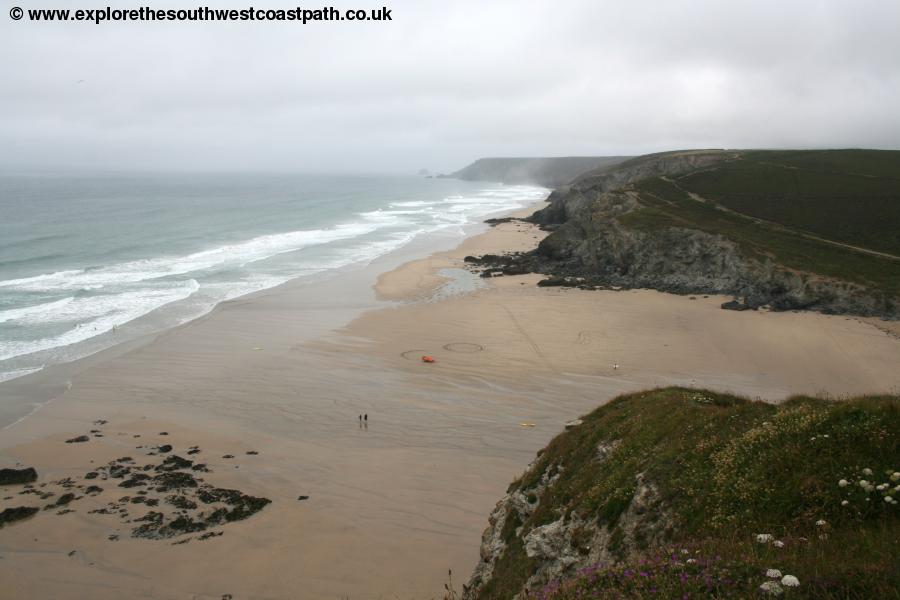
column 36, row 389
column 392, row 505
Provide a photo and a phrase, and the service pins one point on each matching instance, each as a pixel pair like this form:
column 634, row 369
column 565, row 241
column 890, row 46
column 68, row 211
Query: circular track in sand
column 413, row 354
column 464, row 347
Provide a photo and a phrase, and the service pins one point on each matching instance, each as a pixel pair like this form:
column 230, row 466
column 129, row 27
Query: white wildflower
column 897, row 489
column 821, row 523
column 881, row 487
column 843, row 483
column 778, row 544
column 863, row 483
column 895, row 476
column 790, row 581
column 825, row 436
column 867, row 471
column 888, row 499
column 764, row 538
column 773, row 574
column 771, row 587
column 869, row 488
column 691, row 561
column 845, row 502
column 685, row 551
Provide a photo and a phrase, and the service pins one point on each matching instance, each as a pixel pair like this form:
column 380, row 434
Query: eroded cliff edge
column 674, row 493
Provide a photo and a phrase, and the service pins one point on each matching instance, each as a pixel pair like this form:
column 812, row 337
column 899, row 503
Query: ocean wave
column 239, row 254
column 411, row 203
column 106, row 313
column 15, row 373
column 20, row 314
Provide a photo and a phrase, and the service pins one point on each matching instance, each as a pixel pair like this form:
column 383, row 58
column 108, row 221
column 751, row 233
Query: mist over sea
column 87, row 261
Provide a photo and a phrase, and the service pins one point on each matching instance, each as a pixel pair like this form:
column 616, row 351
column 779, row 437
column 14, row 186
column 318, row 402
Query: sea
column 89, row 261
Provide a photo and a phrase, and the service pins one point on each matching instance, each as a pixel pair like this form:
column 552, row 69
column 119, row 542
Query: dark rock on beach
column 501, row 220
column 79, row 439
column 118, row 471
column 18, row 513
column 138, row 479
column 181, row 502
column 735, row 305
column 173, row 463
column 61, row 501
column 174, row 481
column 17, row 476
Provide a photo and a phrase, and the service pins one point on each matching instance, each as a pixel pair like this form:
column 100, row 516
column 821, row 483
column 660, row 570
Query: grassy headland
column 833, row 213
column 806, row 487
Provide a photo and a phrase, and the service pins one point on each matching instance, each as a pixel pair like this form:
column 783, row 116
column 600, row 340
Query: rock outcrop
column 573, row 541
column 16, row 476
column 590, row 247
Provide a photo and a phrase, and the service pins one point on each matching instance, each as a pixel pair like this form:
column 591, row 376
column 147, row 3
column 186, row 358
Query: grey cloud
column 445, row 82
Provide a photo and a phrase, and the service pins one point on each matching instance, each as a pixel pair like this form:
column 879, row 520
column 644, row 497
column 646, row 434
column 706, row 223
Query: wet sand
column 392, row 505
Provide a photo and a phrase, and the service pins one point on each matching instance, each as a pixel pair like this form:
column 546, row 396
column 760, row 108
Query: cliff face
column 590, row 241
column 548, row 172
column 571, row 542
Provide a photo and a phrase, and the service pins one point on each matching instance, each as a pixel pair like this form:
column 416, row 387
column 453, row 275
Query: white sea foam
column 31, row 312
column 411, row 203
column 14, row 373
column 239, row 254
column 112, row 311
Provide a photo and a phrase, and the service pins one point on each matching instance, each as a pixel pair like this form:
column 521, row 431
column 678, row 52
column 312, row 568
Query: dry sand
column 395, row 504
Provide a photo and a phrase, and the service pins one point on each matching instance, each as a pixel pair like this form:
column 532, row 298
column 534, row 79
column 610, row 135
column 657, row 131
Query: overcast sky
column 446, row 82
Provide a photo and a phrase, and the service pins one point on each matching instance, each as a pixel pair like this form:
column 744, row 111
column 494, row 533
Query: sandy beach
column 277, row 382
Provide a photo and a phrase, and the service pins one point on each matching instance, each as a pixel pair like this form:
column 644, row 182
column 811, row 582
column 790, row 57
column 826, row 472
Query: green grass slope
column 849, row 196
column 717, row 201
column 727, row 470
